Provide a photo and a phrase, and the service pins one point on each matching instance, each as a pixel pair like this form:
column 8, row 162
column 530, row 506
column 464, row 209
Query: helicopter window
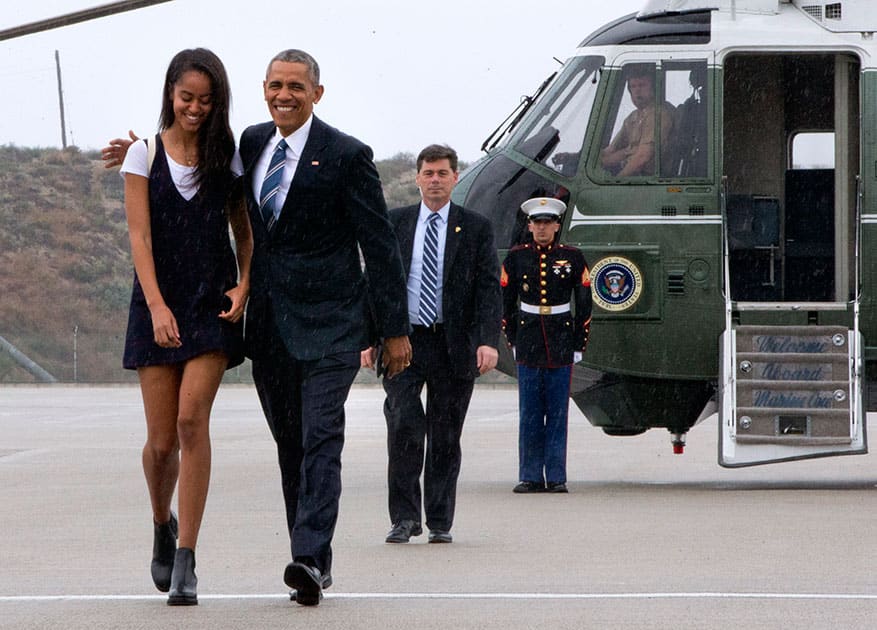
column 639, row 128
column 812, row 150
column 642, row 138
column 685, row 88
column 498, row 192
column 556, row 137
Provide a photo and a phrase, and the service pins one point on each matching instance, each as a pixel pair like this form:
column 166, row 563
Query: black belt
column 432, row 328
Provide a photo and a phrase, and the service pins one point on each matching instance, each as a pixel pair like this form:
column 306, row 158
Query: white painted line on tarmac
column 494, row 596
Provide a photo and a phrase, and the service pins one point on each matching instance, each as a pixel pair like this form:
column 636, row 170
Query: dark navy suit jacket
column 306, row 274
column 471, row 298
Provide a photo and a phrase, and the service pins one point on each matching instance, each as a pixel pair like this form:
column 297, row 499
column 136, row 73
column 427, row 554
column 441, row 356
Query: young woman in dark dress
column 184, row 326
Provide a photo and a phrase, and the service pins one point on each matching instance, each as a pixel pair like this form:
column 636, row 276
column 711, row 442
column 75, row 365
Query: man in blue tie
column 454, row 306
column 315, row 203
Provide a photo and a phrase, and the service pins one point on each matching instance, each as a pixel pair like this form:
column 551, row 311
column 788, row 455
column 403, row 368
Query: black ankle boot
column 164, row 546
column 184, row 584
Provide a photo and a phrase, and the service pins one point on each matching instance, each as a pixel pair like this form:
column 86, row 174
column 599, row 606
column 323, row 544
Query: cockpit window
column 685, row 87
column 498, row 191
column 556, row 132
column 659, row 123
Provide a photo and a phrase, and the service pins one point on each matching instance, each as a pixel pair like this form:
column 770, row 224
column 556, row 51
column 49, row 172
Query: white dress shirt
column 416, row 271
column 295, row 144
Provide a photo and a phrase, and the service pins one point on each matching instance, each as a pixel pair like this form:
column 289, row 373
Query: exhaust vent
column 849, row 16
column 813, row 10
column 833, row 11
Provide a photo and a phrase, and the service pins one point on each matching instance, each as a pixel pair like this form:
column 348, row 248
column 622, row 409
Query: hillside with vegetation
column 66, row 268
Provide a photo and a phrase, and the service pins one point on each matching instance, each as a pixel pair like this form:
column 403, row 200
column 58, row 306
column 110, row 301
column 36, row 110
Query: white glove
column 576, row 357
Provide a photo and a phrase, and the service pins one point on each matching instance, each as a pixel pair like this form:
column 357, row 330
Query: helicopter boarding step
column 790, row 392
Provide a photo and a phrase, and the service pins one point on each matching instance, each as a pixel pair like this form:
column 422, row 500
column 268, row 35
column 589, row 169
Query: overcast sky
column 398, row 74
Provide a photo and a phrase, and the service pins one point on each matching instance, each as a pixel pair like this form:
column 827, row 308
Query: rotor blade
column 77, row 16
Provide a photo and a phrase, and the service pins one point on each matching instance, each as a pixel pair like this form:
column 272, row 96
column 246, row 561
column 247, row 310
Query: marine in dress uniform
column 546, row 290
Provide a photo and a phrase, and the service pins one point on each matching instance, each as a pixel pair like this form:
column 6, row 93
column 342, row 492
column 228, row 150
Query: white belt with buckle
column 556, row 309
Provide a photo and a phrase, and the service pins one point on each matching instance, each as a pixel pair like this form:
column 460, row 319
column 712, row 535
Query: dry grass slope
column 66, row 266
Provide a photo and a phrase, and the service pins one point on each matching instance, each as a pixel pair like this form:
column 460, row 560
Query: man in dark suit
column 315, row 201
column 454, row 339
column 313, row 209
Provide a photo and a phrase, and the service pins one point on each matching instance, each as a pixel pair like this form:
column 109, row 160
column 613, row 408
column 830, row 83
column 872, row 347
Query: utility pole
column 61, row 102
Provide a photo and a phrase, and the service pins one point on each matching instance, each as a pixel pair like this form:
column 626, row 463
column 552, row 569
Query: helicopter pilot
column 547, row 331
column 632, row 151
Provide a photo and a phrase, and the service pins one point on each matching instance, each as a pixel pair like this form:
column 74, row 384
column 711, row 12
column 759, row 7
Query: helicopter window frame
column 618, row 107
column 569, row 104
column 499, row 188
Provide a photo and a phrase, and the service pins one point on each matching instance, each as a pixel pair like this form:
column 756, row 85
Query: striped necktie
column 271, row 186
column 429, row 275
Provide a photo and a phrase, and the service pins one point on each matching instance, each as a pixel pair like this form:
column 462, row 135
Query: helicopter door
column 791, row 363
column 790, row 180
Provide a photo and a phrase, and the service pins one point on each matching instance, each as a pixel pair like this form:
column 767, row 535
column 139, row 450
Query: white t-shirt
column 135, row 163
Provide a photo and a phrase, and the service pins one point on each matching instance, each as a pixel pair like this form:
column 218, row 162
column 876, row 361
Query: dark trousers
column 303, row 403
column 426, row 441
column 543, row 400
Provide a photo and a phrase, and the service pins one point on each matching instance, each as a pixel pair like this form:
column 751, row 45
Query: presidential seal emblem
column 616, row 283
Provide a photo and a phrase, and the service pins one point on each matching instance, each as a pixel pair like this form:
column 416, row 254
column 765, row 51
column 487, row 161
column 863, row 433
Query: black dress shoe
column 527, row 487
column 440, row 536
column 556, row 486
column 164, row 546
column 184, row 583
column 327, row 582
column 403, row 530
column 307, row 582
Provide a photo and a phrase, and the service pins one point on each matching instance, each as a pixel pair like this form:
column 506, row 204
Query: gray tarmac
column 644, row 539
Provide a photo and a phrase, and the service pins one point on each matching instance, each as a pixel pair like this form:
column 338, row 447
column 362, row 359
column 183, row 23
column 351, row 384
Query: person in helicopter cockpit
column 632, row 151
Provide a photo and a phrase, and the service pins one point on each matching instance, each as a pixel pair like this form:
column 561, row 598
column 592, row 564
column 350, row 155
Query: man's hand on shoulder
column 114, row 153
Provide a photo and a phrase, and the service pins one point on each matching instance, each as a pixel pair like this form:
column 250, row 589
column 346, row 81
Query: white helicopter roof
column 658, row 7
column 839, row 16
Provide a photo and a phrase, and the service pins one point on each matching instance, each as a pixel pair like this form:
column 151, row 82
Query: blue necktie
column 271, row 186
column 429, row 276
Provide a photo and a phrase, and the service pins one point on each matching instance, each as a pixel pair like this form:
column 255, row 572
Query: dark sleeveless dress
column 195, row 266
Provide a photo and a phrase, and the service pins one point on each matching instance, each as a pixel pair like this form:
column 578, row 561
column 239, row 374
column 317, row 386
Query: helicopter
column 731, row 274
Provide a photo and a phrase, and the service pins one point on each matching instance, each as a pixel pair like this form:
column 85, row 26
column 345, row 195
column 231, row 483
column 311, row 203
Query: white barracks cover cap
column 543, row 207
